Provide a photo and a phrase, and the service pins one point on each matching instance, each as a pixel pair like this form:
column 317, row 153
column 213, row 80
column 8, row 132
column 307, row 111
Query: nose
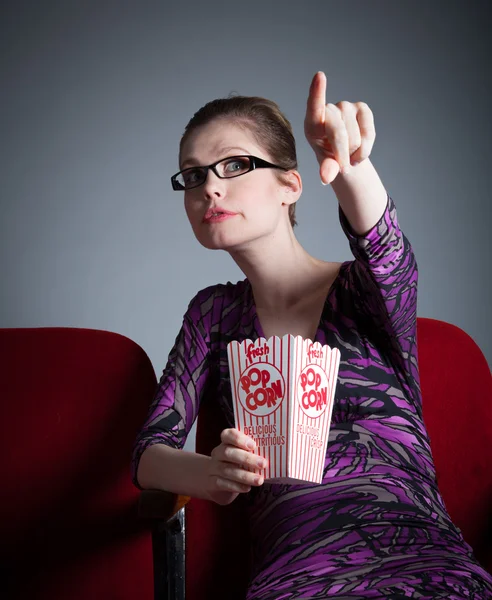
column 213, row 185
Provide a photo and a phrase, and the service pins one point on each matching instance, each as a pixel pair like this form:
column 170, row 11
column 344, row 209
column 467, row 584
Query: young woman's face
column 257, row 199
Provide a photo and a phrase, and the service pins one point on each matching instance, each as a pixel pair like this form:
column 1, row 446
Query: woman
column 376, row 526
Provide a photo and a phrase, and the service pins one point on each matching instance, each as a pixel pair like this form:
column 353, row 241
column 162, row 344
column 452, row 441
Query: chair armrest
column 156, row 504
column 165, row 511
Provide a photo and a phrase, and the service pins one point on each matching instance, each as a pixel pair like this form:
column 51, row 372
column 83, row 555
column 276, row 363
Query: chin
column 231, row 241
column 218, row 244
column 212, row 244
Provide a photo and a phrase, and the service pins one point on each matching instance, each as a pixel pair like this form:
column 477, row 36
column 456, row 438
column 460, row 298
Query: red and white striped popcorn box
column 283, row 391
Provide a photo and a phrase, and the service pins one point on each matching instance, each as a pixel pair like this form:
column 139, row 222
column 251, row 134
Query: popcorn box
column 283, row 391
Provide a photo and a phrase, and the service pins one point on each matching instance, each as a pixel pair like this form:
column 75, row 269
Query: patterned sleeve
column 176, row 402
column 385, row 280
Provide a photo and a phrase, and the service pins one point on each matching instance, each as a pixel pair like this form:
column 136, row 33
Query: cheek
column 191, row 211
column 263, row 200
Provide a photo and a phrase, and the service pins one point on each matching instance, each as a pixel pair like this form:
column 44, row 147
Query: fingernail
column 261, row 463
column 323, row 183
column 251, row 445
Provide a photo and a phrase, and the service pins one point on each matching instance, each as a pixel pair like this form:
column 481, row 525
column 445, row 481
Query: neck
column 280, row 271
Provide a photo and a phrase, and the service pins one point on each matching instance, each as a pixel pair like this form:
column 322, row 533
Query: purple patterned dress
column 377, row 526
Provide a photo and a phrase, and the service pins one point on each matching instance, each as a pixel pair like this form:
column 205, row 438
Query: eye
column 192, row 175
column 236, row 165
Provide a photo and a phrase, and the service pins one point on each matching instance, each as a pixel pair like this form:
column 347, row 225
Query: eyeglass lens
column 229, row 167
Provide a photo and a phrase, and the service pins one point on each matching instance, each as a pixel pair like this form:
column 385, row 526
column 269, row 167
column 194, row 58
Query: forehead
column 213, row 141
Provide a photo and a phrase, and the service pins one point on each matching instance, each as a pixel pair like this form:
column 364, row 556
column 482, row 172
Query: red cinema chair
column 71, row 403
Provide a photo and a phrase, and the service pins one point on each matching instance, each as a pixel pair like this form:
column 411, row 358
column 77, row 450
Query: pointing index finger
column 316, row 100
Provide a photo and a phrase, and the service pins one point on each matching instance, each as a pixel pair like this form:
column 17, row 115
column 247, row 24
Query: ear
column 292, row 188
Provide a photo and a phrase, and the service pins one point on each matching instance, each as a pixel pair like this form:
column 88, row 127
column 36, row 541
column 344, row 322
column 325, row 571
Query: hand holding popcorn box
column 283, row 391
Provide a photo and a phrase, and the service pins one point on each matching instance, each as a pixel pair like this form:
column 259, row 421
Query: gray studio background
column 95, row 96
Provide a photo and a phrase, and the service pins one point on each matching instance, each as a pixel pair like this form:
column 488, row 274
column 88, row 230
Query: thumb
column 328, row 170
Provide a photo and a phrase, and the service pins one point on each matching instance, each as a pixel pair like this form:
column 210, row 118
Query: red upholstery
column 457, row 403
column 457, row 400
column 72, row 401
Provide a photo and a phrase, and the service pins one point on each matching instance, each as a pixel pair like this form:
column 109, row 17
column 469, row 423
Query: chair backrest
column 71, row 403
column 457, row 406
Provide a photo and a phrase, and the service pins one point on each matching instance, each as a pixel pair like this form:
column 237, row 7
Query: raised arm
column 385, row 270
column 385, row 280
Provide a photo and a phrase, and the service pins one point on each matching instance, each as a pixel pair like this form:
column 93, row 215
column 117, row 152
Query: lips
column 217, row 214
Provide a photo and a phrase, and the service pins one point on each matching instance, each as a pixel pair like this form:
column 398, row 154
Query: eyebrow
column 192, row 160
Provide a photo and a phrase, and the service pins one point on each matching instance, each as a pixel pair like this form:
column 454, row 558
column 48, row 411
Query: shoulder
column 333, row 273
column 208, row 303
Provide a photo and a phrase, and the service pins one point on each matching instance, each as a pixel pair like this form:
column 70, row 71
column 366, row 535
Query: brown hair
column 263, row 118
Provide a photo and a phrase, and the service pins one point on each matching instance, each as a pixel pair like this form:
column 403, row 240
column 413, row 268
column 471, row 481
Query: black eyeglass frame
column 254, row 163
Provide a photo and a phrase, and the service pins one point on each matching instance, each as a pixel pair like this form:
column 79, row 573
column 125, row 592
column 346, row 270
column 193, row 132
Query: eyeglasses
column 233, row 166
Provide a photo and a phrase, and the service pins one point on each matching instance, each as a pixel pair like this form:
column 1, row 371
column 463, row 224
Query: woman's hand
column 340, row 134
column 227, row 476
